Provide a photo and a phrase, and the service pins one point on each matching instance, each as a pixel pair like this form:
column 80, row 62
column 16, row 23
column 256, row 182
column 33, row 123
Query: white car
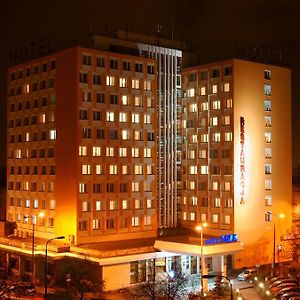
column 247, row 274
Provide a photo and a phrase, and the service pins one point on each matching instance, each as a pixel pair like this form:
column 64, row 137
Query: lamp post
column 46, row 262
column 281, row 216
column 222, row 276
column 200, row 228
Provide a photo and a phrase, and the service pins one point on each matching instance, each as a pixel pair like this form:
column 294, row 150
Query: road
column 246, row 289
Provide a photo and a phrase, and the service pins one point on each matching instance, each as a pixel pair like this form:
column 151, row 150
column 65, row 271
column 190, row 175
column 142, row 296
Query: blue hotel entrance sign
column 223, row 239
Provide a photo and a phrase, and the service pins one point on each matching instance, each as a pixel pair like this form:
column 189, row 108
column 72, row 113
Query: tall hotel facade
column 236, row 154
column 99, row 141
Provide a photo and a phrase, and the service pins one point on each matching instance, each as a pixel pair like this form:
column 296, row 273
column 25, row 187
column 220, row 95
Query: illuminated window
column 125, row 204
column 217, row 202
column 99, row 205
column 136, row 84
column 18, row 153
column 228, row 203
column 227, row 219
column 215, row 185
column 193, row 107
column 52, row 204
column 123, row 82
column 228, row 136
column 26, row 88
column 203, row 218
column 149, row 203
column 191, row 92
column 147, row 119
column 110, row 80
column 191, row 154
column 123, row 152
column 125, row 134
column 268, row 184
column 216, row 104
column 82, row 188
column 194, row 138
column 138, row 170
column 110, row 151
column 123, row 117
column 215, row 218
column 96, row 224
column 135, row 221
column 147, row 220
column 99, row 169
column 192, row 216
column 214, row 89
column 268, row 169
column 138, row 101
column 184, row 215
column 228, row 103
column 110, row 116
column 204, row 106
column 147, row 85
column 125, row 170
column 214, row 121
column 86, row 206
column 125, row 100
column 204, row 138
column 204, row 170
column 267, row 104
column 227, row 120
column 268, row 200
column 268, row 121
column 202, row 154
column 216, row 137
column 113, row 169
column 96, row 151
column 268, row 216
column 203, row 91
column 25, row 186
column 113, row 205
column 227, row 186
column 52, row 134
column 193, row 170
column 86, row 169
column 135, row 118
column 135, row 152
column 42, row 118
column 268, row 153
column 149, row 102
column 138, row 135
column 268, row 137
column 135, row 186
column 191, row 185
column 51, row 117
column 137, row 204
column 226, row 87
column 193, row 200
column 27, row 203
column 267, row 89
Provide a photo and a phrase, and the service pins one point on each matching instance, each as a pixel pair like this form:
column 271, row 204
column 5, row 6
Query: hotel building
column 82, row 146
column 236, row 154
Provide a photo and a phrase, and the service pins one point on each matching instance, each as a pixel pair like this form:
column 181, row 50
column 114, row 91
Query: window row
column 212, row 170
column 213, row 73
column 204, row 202
column 111, row 187
column 204, row 90
column 33, row 153
column 33, row 186
column 113, row 63
column 226, row 186
column 51, row 65
column 202, row 122
column 35, row 103
column 42, row 118
column 33, row 170
column 124, row 204
column 34, row 203
column 215, row 105
column 111, row 151
column 26, row 219
column 86, row 169
column 202, row 154
column 214, row 137
column 215, row 218
column 33, row 87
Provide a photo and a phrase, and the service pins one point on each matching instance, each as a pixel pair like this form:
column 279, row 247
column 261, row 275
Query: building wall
column 112, row 275
column 250, row 216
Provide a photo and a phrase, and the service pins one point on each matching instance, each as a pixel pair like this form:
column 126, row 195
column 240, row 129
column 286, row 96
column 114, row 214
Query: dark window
column 44, row 101
column 215, row 73
column 204, row 202
column 113, row 134
column 126, row 65
column 100, row 133
column 150, row 69
column 27, row 72
column 52, row 65
column 267, row 74
column 12, row 76
column 97, row 79
column 86, row 133
column 97, row 188
column 139, row 67
column 42, row 84
column 110, row 188
column 192, row 77
column 204, row 75
column 100, row 62
column 87, row 60
column 228, row 170
column 213, row 153
column 50, row 152
column 34, row 87
column 110, row 224
column 50, row 83
column 20, row 74
column 123, row 187
column 83, row 114
column 113, row 99
column 36, row 69
column 100, row 98
column 150, row 136
column 44, row 67
column 26, row 121
column 227, row 71
column 83, row 78
column 113, row 64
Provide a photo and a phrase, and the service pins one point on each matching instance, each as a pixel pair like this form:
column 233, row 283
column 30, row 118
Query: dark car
column 283, row 286
column 287, row 290
column 287, row 296
column 281, row 281
column 273, row 279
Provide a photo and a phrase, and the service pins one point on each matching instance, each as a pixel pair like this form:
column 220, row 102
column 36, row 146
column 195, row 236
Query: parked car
column 283, row 286
column 247, row 274
column 287, row 290
column 273, row 279
column 295, row 298
column 289, row 295
column 280, row 281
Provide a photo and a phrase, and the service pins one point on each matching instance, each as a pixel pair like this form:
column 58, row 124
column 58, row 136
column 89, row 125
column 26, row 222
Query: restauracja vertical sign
column 242, row 160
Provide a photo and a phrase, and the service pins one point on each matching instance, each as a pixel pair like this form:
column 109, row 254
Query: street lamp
column 222, row 276
column 46, row 262
column 200, row 228
column 281, row 216
column 33, row 220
